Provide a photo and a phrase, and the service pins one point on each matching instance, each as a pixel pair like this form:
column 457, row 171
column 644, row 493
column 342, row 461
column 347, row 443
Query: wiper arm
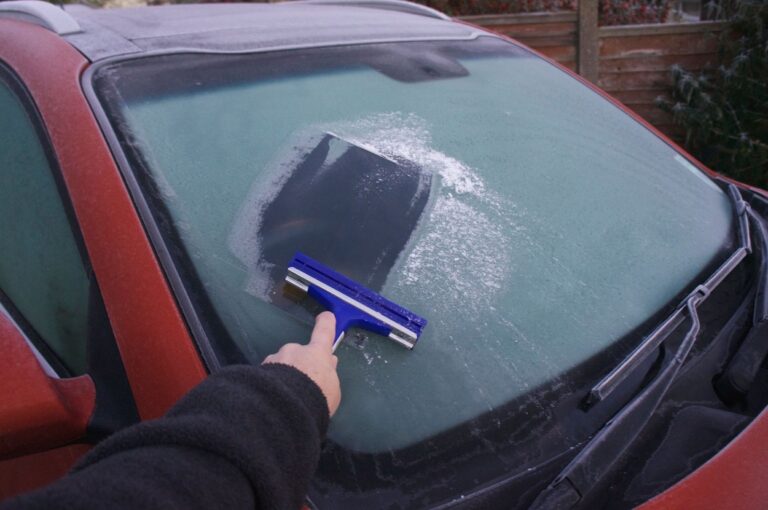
column 598, row 456
column 736, row 380
column 650, row 343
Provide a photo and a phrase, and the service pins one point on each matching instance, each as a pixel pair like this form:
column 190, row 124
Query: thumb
column 324, row 331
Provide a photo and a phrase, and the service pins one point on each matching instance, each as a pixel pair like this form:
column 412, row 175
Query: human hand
column 315, row 359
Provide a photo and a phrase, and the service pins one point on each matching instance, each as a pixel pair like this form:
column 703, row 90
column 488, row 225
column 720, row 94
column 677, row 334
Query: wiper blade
column 598, row 456
column 650, row 343
column 739, row 375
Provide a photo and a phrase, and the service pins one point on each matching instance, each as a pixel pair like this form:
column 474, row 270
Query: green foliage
column 633, row 12
column 725, row 111
column 471, row 7
column 611, row 12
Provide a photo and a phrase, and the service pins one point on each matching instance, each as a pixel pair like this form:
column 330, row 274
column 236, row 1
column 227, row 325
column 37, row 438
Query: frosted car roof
column 248, row 27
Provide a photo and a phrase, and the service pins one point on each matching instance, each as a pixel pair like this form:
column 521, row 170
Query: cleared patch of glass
column 343, row 204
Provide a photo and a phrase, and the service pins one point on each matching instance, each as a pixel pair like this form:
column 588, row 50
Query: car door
column 130, row 343
column 64, row 380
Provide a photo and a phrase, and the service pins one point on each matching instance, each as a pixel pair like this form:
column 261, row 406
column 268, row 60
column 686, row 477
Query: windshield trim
column 158, row 244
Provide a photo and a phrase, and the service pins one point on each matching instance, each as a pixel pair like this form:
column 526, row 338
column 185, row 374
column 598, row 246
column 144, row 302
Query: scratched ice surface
column 547, row 235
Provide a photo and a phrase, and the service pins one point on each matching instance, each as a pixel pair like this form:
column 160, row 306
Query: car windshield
column 536, row 226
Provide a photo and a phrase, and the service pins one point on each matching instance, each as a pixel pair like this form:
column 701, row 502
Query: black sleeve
column 246, row 437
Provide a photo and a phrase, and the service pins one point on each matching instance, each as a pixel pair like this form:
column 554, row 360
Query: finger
column 325, row 329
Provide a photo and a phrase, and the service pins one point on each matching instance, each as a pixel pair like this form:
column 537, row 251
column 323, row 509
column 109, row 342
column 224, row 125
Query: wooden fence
column 631, row 62
column 554, row 34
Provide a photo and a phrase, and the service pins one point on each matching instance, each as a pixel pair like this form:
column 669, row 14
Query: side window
column 43, row 276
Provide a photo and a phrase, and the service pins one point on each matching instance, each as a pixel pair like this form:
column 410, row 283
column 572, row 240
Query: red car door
column 91, row 336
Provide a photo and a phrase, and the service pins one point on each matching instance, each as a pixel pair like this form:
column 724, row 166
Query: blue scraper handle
column 346, row 316
column 352, row 304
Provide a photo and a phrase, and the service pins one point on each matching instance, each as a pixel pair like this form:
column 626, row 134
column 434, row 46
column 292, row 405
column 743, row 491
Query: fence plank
column 546, row 41
column 695, row 62
column 539, row 29
column 559, row 53
column 656, row 45
column 643, row 80
column 523, row 18
column 588, row 40
column 551, row 33
column 653, row 114
column 701, row 27
column 636, row 97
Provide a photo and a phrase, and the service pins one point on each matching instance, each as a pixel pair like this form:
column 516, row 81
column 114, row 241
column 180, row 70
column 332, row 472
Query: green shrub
column 724, row 111
column 471, row 7
column 611, row 12
column 633, row 12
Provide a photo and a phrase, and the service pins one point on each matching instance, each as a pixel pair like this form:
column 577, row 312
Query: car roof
column 248, row 27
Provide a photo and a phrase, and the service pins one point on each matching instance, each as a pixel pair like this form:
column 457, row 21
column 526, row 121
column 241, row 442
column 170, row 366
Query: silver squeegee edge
column 305, row 279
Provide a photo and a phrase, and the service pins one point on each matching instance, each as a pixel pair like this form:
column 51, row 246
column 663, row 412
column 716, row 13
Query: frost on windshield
column 339, row 201
column 476, row 263
column 449, row 262
column 531, row 222
column 535, row 225
column 352, row 193
column 460, row 254
column 453, row 272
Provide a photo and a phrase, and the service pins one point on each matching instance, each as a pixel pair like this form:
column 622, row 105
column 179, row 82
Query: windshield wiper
column 650, row 343
column 736, row 380
column 606, row 447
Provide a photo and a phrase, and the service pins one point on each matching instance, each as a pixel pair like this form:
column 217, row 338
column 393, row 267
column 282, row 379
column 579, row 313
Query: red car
column 596, row 298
